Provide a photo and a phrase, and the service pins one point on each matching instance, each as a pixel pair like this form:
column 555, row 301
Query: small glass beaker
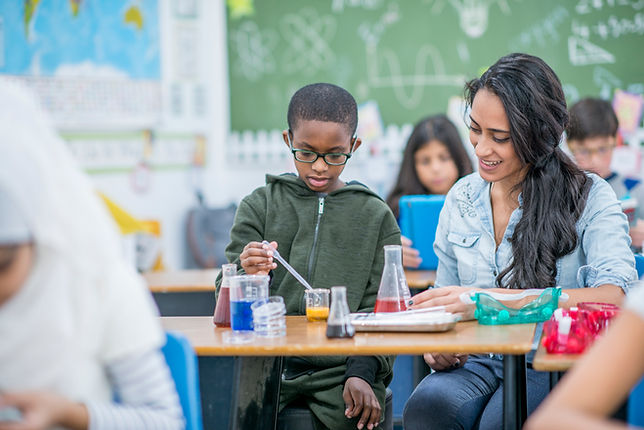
column 269, row 317
column 244, row 290
column 393, row 292
column 221, row 316
column 317, row 304
column 339, row 321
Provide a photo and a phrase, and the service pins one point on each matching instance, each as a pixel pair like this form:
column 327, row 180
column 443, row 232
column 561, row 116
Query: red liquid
column 222, row 309
column 390, row 305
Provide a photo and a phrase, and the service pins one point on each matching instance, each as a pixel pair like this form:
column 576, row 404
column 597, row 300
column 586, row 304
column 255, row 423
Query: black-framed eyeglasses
column 330, row 158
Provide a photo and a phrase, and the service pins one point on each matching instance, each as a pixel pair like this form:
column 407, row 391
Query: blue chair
column 636, row 398
column 635, row 402
column 639, row 265
column 182, row 362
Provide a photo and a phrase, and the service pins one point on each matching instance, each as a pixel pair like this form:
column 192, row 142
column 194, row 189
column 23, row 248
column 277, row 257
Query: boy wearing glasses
column 592, row 136
column 333, row 233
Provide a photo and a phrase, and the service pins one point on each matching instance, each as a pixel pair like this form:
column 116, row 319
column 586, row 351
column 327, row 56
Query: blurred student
column 592, row 136
column 602, row 379
column 529, row 218
column 333, row 233
column 77, row 326
column 434, row 159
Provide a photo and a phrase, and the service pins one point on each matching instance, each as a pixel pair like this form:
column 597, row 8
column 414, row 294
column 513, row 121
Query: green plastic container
column 491, row 311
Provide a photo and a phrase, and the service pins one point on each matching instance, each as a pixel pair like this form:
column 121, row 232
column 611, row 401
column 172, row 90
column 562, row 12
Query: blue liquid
column 241, row 316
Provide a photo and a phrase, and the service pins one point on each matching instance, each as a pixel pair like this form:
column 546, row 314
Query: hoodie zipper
column 315, row 236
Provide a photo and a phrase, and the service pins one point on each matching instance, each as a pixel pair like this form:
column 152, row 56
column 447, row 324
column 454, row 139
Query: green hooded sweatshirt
column 332, row 239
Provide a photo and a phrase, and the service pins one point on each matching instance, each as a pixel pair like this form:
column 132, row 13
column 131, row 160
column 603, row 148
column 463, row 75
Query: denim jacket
column 467, row 253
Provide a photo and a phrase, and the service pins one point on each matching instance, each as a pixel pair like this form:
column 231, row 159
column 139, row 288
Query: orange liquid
column 390, row 305
column 318, row 313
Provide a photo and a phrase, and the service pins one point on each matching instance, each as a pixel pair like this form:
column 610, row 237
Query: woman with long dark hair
column 434, row 159
column 529, row 218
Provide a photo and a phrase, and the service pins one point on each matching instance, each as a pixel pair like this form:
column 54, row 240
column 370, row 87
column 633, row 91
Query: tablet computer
column 418, row 221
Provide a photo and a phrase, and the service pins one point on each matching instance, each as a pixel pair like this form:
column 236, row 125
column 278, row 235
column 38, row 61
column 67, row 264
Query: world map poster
column 94, row 63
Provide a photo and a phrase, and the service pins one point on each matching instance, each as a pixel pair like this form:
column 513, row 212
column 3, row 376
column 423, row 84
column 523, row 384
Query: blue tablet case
column 418, row 221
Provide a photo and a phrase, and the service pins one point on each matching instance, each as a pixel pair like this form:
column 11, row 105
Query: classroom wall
column 195, row 71
column 171, row 193
column 137, row 136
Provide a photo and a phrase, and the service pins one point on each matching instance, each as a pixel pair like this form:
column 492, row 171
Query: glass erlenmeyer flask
column 339, row 321
column 221, row 317
column 393, row 293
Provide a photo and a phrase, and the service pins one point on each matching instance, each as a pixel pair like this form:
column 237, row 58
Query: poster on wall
column 94, row 63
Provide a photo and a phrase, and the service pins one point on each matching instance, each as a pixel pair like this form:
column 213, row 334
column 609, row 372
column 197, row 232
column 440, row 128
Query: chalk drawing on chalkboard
column 429, row 71
column 463, row 52
column 338, row 6
column 473, row 14
column 606, row 82
column 581, row 52
column 543, row 33
column 429, row 67
column 571, row 92
column 308, row 36
column 254, row 50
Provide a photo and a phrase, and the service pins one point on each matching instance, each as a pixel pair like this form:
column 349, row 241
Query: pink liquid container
column 393, row 292
column 221, row 317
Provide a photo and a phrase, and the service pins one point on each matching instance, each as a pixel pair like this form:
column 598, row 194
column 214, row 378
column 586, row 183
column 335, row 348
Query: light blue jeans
column 470, row 397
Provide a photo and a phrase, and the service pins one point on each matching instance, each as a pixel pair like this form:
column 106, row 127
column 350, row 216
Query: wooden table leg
column 256, row 388
column 515, row 396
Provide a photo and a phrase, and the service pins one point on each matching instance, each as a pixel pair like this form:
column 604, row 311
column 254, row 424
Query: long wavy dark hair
column 554, row 190
column 435, row 127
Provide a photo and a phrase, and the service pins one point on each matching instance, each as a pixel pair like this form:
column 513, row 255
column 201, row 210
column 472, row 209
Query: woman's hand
column 410, row 256
column 445, row 361
column 257, row 258
column 43, row 410
column 448, row 297
column 359, row 397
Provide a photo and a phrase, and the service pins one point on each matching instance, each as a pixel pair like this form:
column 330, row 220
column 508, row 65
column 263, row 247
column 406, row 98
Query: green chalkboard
column 411, row 56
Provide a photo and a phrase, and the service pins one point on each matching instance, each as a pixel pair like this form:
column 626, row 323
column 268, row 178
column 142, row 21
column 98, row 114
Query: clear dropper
column 288, row 267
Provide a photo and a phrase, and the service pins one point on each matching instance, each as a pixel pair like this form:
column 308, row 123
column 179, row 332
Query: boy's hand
column 358, row 396
column 410, row 256
column 257, row 258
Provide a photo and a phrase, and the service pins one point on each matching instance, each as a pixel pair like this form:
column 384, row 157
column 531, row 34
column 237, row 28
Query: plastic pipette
column 288, row 267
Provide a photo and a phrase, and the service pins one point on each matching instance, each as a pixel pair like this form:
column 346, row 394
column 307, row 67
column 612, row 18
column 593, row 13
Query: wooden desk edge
column 545, row 362
column 419, row 279
column 182, row 288
column 277, row 347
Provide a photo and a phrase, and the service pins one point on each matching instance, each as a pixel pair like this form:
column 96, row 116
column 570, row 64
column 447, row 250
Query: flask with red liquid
column 393, row 292
column 221, row 317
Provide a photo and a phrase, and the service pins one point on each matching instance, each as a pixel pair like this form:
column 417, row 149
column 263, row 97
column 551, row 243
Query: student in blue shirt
column 434, row 159
column 529, row 218
column 592, row 137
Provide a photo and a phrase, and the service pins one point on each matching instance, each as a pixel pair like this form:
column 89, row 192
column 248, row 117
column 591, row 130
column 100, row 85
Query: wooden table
column 183, row 292
column 545, row 362
column 417, row 279
column 556, row 364
column 258, row 367
column 182, row 280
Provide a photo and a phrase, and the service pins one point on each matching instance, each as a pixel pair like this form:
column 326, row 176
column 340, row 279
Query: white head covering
column 82, row 305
